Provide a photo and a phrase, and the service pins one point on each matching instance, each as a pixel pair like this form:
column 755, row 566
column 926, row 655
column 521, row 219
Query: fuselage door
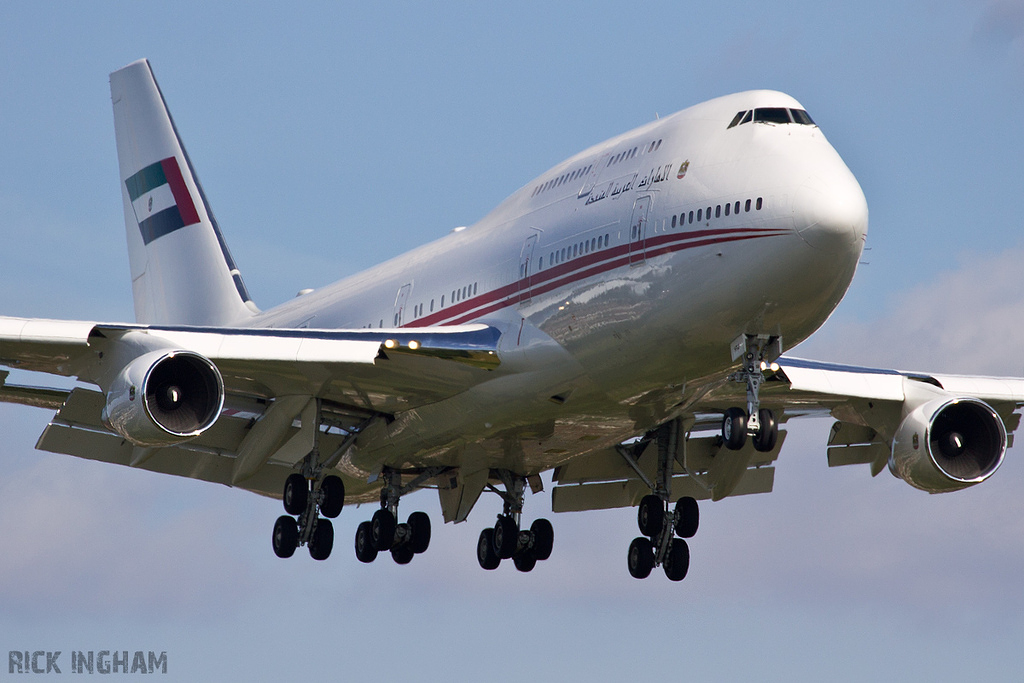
column 401, row 301
column 638, row 229
column 526, row 267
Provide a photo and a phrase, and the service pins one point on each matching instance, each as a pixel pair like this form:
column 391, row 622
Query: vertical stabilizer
column 182, row 272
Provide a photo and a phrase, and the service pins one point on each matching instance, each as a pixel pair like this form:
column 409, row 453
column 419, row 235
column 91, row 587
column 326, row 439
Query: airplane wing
column 882, row 418
column 262, row 386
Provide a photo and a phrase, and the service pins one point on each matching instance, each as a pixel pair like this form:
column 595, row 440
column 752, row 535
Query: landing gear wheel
column 506, row 537
column 677, row 561
column 382, row 527
column 543, row 538
column 419, row 524
column 365, row 552
column 650, row 516
column 734, row 428
column 641, row 558
column 402, row 554
column 296, row 493
column 485, row 554
column 687, row 517
column 286, row 536
column 334, row 496
column 764, row 440
column 322, row 541
column 525, row 561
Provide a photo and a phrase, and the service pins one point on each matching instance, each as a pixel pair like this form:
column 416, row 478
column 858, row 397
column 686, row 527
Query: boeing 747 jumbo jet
column 621, row 320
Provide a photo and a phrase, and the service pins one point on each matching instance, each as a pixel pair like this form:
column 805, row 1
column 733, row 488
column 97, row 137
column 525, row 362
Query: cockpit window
column 772, row 115
column 800, row 116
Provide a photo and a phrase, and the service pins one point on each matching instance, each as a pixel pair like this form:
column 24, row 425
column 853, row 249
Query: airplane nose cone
column 831, row 212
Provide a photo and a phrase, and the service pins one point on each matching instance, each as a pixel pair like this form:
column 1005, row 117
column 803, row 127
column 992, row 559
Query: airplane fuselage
column 627, row 270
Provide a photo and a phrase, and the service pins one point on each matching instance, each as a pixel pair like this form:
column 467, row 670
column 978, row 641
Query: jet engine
column 164, row 397
column 948, row 444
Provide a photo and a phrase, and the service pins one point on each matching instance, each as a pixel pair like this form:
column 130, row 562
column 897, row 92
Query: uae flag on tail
column 161, row 199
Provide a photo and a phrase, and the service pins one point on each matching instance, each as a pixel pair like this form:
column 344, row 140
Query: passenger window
column 758, row 203
column 727, row 209
column 700, row 213
column 736, row 209
column 746, row 207
column 540, row 263
column 691, row 218
column 431, row 305
column 673, row 220
column 474, row 289
column 718, row 211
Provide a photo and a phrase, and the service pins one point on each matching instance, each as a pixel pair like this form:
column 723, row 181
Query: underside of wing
column 232, row 405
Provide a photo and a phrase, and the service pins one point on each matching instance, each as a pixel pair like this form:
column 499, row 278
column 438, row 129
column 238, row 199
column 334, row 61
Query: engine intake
column 948, row 444
column 165, row 397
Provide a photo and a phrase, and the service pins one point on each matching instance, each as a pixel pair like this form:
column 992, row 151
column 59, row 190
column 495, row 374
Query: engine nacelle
column 948, row 444
column 164, row 397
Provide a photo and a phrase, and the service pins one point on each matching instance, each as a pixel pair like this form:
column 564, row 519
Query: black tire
column 286, row 536
column 382, row 529
column 734, row 428
column 641, row 558
column 296, row 494
column 365, row 552
column 322, row 541
column 485, row 554
column 650, row 516
column 768, row 434
column 506, row 537
column 334, row 496
column 419, row 523
column 687, row 517
column 525, row 561
column 402, row 554
column 543, row 538
column 677, row 561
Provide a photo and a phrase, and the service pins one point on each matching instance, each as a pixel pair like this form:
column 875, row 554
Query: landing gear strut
column 383, row 533
column 755, row 422
column 506, row 540
column 306, row 496
column 664, row 531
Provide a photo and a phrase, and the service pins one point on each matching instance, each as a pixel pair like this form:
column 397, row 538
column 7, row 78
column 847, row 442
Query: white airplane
column 620, row 320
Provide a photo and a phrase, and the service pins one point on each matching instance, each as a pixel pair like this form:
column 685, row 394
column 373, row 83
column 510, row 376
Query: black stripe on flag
column 160, row 224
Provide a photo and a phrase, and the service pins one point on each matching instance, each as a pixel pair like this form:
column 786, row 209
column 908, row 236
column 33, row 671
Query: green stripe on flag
column 145, row 180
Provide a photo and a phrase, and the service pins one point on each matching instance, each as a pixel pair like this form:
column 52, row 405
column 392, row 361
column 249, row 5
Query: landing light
column 390, row 344
column 414, row 345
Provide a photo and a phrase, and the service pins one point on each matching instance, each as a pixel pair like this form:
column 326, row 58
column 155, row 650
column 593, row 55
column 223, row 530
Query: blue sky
column 330, row 138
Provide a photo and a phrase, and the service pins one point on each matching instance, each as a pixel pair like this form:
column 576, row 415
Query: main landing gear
column 663, row 530
column 383, row 533
column 305, row 500
column 308, row 495
column 506, row 540
column 756, row 422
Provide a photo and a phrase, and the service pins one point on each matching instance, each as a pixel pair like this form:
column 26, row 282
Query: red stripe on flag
column 182, row 197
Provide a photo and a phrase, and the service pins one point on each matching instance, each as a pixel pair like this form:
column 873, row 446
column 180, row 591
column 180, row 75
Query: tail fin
column 182, row 272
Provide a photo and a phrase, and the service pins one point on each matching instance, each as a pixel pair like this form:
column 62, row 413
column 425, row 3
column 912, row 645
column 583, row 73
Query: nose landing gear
column 756, row 422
